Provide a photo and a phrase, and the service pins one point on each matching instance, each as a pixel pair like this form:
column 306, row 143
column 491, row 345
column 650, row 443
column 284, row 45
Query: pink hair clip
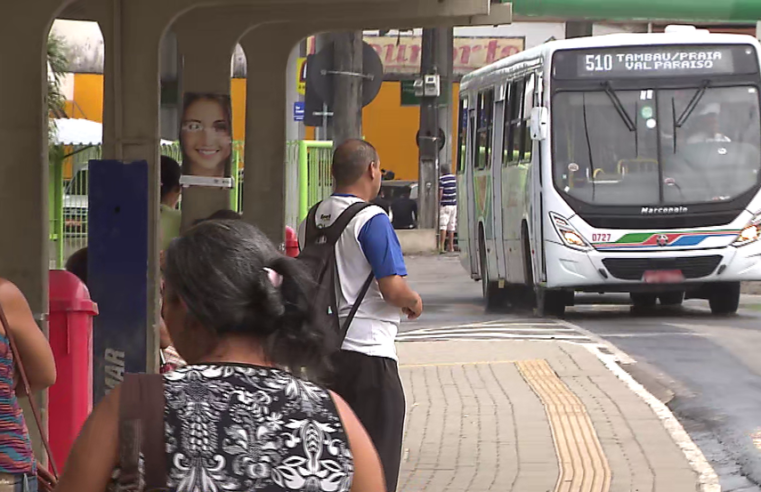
column 275, row 278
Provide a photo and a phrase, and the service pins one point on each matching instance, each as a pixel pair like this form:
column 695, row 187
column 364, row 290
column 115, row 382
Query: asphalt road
column 706, row 368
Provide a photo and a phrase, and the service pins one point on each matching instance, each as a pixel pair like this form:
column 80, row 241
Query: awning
column 76, row 131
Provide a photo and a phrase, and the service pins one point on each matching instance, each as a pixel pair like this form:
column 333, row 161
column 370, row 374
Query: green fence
column 315, row 178
column 307, row 167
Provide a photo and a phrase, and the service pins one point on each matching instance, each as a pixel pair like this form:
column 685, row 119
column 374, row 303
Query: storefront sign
column 401, row 55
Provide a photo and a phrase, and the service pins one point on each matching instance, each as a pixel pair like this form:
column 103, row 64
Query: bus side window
column 484, row 126
column 462, row 134
column 528, row 97
column 513, row 117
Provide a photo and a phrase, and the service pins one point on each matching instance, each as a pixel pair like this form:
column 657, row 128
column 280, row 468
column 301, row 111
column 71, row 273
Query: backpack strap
column 337, row 228
column 141, row 429
column 334, row 234
column 355, row 307
column 311, row 224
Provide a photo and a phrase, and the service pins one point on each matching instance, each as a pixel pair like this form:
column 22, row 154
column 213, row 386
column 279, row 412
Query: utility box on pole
column 428, row 87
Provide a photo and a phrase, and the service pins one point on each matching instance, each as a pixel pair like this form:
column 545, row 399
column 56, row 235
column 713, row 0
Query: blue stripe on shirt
column 381, row 247
column 448, row 185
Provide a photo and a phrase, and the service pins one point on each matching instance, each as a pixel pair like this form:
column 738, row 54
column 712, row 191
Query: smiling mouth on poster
column 206, row 140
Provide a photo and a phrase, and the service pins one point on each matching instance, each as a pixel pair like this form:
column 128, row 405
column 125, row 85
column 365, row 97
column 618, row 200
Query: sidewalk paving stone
column 476, row 423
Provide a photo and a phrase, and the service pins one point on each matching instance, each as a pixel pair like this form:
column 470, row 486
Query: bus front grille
column 692, row 267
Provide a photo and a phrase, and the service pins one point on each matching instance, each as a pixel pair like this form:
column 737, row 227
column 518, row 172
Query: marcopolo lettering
column 663, row 210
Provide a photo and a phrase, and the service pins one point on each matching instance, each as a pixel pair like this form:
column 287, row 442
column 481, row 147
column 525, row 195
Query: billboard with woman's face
column 206, row 135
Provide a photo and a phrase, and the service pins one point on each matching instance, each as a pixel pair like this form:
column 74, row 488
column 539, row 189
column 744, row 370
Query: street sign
column 441, row 140
column 298, row 111
column 407, row 96
column 301, row 76
column 320, row 74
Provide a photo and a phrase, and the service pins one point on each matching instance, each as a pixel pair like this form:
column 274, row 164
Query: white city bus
column 621, row 163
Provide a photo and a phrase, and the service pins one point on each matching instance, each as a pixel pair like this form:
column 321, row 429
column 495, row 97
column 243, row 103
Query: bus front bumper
column 600, row 271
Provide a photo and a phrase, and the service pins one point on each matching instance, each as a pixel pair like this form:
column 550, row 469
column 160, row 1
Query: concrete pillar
column 24, row 250
column 132, row 32
column 206, row 40
column 267, row 51
column 294, row 131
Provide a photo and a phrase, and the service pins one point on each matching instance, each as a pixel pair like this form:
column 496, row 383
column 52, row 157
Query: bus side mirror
column 539, row 123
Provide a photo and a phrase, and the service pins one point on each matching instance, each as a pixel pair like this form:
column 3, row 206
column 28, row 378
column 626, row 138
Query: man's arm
column 382, row 250
column 397, row 292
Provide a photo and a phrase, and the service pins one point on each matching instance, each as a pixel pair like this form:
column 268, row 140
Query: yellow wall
column 388, row 125
column 391, row 128
column 88, row 96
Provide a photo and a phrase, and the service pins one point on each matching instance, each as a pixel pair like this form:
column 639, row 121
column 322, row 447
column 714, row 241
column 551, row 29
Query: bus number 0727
column 599, row 63
column 600, row 238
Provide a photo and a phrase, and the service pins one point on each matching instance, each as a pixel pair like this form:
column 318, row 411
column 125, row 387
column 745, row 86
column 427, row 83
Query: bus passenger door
column 536, row 198
column 467, row 237
column 497, row 203
column 471, row 194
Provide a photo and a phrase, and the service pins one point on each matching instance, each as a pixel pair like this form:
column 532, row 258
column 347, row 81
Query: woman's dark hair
column 170, row 175
column 218, row 269
column 77, row 264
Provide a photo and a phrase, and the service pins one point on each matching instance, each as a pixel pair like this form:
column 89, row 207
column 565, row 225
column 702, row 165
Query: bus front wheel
column 642, row 300
column 724, row 298
column 550, row 302
column 494, row 297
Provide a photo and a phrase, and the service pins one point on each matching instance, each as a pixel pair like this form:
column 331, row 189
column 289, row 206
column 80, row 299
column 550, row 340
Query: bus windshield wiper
column 692, row 104
column 589, row 142
column 619, row 106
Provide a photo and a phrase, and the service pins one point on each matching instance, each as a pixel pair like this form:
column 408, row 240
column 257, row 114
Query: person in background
column 447, row 208
column 171, row 218
column 222, row 214
column 18, row 468
column 237, row 418
column 77, row 264
column 707, row 127
column 382, row 201
column 404, row 211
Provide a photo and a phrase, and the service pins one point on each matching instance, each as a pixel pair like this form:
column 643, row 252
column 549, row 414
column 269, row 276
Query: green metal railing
column 307, row 165
column 315, row 178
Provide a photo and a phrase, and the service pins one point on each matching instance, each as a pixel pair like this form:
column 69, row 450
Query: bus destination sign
column 655, row 61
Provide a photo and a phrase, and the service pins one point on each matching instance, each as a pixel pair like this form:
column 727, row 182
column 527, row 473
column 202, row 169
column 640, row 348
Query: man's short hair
column 350, row 161
column 445, row 169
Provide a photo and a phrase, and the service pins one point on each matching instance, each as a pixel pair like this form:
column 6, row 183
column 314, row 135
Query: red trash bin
column 70, row 398
column 291, row 242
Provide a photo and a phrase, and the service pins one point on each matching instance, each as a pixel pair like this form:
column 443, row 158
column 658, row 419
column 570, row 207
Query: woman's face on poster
column 206, row 140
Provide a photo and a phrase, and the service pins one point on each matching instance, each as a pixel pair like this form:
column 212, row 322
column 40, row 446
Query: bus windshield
column 656, row 146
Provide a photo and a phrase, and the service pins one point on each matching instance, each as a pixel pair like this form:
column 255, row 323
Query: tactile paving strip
column 583, row 465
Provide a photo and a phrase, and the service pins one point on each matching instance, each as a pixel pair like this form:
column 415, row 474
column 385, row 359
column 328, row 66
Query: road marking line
column 581, row 460
column 707, row 478
column 620, row 355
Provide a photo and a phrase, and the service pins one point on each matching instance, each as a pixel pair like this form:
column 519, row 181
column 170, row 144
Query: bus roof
column 611, row 40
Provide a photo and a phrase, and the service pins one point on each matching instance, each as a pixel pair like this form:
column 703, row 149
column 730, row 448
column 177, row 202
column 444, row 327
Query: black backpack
column 319, row 257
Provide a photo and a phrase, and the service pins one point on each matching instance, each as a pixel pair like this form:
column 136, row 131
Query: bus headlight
column 568, row 234
column 750, row 233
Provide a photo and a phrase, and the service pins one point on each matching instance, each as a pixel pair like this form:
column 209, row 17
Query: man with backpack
column 355, row 256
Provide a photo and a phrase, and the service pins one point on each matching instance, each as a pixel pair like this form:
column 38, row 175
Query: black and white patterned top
column 236, row 427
